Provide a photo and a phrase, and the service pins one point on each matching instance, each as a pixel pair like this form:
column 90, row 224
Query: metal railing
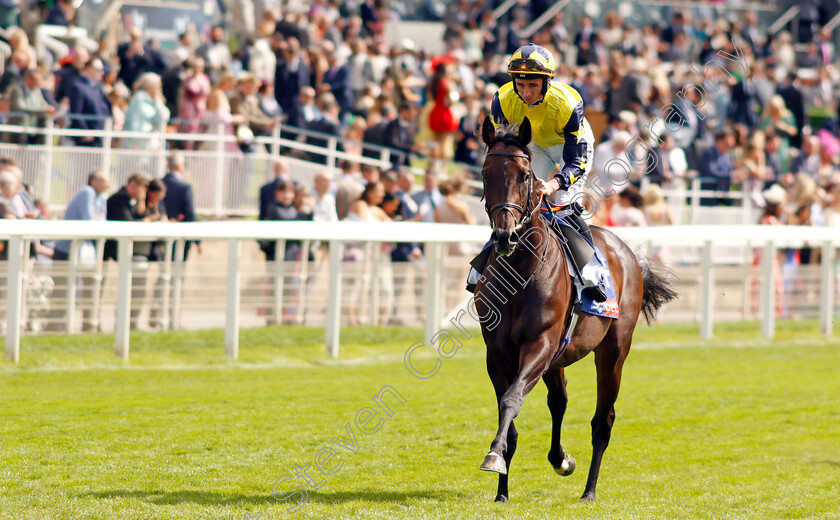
column 226, row 181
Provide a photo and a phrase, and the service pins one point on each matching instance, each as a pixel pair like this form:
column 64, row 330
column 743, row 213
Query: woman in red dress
column 442, row 121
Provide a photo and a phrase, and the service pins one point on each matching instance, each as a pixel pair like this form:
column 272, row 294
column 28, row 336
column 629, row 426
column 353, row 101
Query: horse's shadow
column 208, row 498
column 205, row 498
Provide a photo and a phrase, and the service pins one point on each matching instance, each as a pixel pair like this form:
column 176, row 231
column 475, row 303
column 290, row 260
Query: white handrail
column 17, row 232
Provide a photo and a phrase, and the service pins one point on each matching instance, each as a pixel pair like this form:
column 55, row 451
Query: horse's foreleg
column 555, row 381
column 608, row 363
column 533, row 361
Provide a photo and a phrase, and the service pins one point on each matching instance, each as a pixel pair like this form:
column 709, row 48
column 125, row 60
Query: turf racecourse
column 736, row 428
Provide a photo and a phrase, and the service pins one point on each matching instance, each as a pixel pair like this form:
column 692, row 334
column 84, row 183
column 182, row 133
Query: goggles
column 527, row 64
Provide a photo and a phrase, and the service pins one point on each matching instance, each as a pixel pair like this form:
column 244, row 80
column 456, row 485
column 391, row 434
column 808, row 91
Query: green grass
column 740, row 427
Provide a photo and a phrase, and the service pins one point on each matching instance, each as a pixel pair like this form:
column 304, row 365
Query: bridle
column 526, row 213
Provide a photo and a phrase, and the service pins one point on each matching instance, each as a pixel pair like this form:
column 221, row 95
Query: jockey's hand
column 547, row 188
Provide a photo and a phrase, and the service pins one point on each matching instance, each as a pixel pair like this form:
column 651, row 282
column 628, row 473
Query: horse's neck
column 538, row 237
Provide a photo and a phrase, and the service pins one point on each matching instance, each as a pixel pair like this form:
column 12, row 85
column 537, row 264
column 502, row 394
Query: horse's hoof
column 567, row 467
column 495, row 463
column 502, row 498
column 588, row 497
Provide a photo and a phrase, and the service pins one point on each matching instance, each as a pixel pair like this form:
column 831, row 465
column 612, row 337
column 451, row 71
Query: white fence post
column 107, row 144
column 49, row 143
column 71, row 285
column 332, row 148
column 768, row 312
column 304, row 282
column 17, row 257
column 334, row 299
column 434, row 275
column 707, row 312
column 233, row 296
column 124, row 258
column 218, row 194
column 695, row 201
column 279, row 280
column 827, row 292
column 177, row 285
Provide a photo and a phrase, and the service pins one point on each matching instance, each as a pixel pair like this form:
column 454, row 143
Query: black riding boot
column 598, row 292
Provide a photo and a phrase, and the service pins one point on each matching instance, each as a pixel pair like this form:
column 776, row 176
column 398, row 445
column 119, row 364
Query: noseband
column 525, row 214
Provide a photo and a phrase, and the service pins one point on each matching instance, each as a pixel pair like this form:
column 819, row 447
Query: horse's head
column 508, row 182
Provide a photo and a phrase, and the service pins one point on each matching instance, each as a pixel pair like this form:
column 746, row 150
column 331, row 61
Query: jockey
column 561, row 136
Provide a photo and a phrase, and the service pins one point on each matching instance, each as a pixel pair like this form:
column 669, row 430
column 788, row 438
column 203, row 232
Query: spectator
column 291, row 76
column 28, row 99
column 338, row 77
column 89, row 203
column 246, row 104
column 831, row 214
column 146, row 113
column 328, row 125
column 282, row 172
column 777, row 117
column 62, row 13
column 354, row 136
column 430, row 197
column 179, row 203
column 9, row 11
column 399, row 133
column 119, row 104
column 808, row 160
column 71, row 70
column 137, row 59
column 630, row 209
column 441, row 119
column 791, row 93
column 127, row 204
column 88, row 103
column 216, row 53
column 194, row 91
column 324, row 206
column 263, row 62
column 348, row 189
column 283, row 209
column 715, row 167
column 13, row 75
column 218, row 108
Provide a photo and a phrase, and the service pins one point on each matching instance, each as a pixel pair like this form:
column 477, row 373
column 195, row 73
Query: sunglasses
column 527, row 64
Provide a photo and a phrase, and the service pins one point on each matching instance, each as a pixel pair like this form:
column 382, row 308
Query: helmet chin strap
column 545, row 81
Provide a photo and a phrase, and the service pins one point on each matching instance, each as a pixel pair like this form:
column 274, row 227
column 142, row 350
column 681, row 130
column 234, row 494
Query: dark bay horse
column 528, row 283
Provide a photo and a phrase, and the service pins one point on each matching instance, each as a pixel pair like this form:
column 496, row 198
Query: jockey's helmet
column 532, row 61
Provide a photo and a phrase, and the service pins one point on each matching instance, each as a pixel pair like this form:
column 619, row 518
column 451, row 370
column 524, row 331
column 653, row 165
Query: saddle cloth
column 596, row 269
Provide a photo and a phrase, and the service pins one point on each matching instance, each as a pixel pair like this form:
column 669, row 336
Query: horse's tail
column 657, row 288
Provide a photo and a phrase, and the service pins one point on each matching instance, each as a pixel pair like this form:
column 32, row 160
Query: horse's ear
column 525, row 131
column 488, row 131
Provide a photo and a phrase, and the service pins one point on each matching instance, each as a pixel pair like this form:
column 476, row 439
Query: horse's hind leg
column 609, row 359
column 555, row 380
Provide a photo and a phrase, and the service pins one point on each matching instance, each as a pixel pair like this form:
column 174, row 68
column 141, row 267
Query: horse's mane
column 508, row 134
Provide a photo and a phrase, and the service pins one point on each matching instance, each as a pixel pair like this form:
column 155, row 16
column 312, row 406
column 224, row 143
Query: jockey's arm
column 576, row 150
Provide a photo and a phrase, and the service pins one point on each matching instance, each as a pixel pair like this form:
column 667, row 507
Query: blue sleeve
column 87, row 200
column 576, row 147
column 496, row 111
